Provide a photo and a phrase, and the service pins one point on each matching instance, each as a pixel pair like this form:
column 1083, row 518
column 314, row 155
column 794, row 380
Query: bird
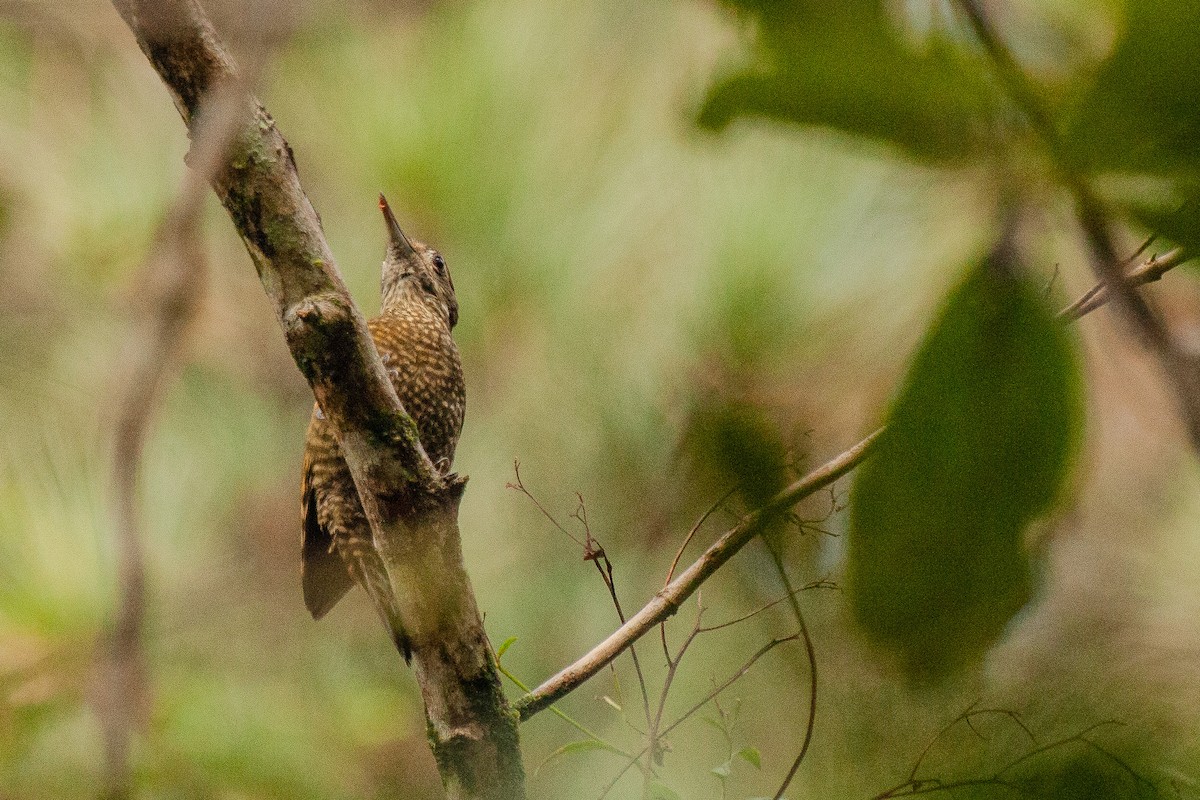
column 413, row 336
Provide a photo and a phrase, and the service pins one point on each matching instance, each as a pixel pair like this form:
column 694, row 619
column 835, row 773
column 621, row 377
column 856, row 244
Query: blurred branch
column 664, row 604
column 172, row 279
column 667, row 602
column 966, row 718
column 413, row 510
column 1181, row 366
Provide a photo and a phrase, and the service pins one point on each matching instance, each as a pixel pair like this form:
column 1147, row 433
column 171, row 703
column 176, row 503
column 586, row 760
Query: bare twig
column 599, row 557
column 667, row 602
column 824, row 583
column 691, row 534
column 713, row 694
column 653, row 735
column 519, row 486
column 732, row 679
column 966, row 717
column 594, row 552
column 1148, row 271
column 810, row 652
column 913, row 785
column 173, row 278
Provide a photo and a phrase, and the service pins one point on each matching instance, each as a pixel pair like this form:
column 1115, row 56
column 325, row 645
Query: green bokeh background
column 619, row 272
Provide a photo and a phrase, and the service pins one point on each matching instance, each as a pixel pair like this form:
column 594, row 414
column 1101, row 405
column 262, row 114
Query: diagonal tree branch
column 413, row 510
column 667, row 602
column 1150, row 270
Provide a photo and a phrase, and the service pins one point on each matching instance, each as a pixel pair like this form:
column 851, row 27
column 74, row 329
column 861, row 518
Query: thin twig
column 692, row 533
column 810, row 652
column 594, row 552
column 824, row 583
column 599, row 557
column 965, row 717
column 913, row 785
column 662, row 626
column 1148, row 271
column 716, row 691
column 667, row 602
column 653, row 736
column 1037, row 751
column 519, row 486
column 732, row 679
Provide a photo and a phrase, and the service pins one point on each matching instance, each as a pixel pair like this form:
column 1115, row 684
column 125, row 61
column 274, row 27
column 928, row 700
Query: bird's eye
column 440, row 263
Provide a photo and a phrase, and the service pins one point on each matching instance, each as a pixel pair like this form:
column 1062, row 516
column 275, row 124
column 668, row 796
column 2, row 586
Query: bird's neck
column 407, row 300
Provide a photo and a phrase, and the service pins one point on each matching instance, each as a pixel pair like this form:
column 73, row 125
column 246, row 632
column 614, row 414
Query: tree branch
column 1150, row 270
column 413, row 510
column 667, row 602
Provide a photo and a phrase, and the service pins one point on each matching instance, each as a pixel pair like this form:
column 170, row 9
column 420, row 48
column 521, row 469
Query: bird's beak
column 396, row 236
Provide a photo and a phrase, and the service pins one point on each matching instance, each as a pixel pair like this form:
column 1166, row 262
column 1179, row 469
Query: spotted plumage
column 412, row 334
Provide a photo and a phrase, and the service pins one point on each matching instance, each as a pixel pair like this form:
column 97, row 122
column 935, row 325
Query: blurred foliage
column 977, row 446
column 633, row 295
column 1138, row 113
column 740, row 448
column 848, row 65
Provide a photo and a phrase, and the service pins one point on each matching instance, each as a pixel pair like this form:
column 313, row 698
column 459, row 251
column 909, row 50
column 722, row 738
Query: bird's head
column 412, row 270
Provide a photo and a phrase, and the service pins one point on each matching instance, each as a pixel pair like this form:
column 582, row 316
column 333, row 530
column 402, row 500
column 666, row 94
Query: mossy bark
column 413, row 510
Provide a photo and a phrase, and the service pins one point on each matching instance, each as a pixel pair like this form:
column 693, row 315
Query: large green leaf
column 1142, row 111
column 847, row 66
column 977, row 445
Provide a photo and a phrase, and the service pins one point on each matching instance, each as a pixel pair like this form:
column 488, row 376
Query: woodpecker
column 413, row 336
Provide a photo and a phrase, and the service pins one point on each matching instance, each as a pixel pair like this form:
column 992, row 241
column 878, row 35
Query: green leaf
column 723, row 771
column 1139, row 114
column 503, row 648
column 660, row 791
column 977, row 445
column 751, row 756
column 847, row 66
column 581, row 746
